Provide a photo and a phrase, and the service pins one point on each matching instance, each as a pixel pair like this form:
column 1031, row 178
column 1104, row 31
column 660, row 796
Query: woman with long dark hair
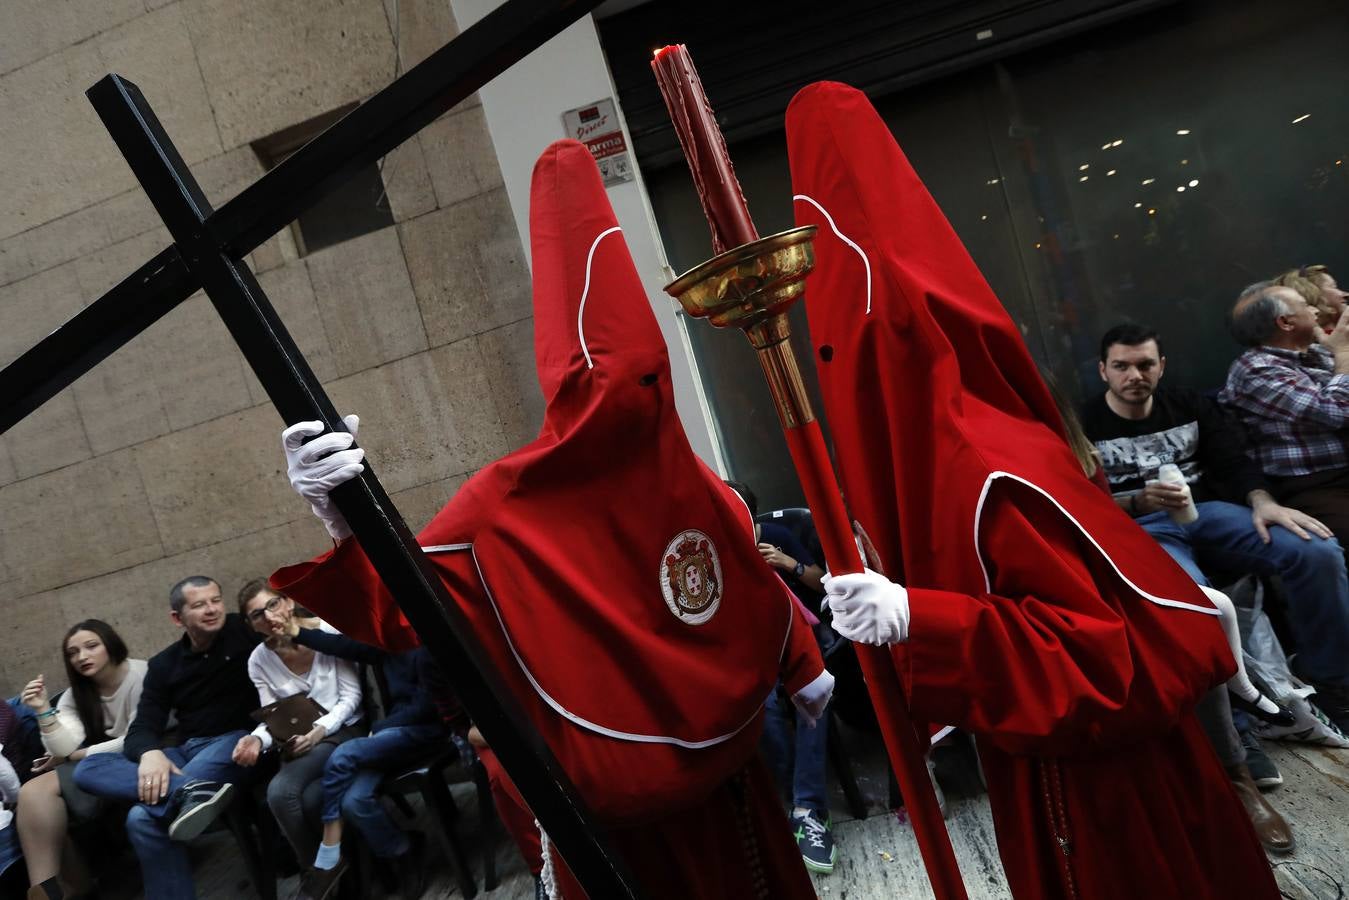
column 92, row 716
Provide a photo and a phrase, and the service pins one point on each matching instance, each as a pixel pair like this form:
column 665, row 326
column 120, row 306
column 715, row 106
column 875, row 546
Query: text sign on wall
column 596, row 126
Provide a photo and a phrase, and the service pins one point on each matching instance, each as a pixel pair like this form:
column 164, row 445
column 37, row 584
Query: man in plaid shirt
column 1291, row 390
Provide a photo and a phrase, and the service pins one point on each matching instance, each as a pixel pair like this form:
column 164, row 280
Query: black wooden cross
column 208, row 249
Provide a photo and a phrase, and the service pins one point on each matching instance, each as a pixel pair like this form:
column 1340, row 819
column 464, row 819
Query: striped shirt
column 1295, row 409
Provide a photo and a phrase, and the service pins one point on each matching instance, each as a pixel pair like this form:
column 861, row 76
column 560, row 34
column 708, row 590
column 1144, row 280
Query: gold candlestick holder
column 751, row 287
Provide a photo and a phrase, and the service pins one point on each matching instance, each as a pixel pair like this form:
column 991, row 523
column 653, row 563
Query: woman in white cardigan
column 281, row 668
column 91, row 717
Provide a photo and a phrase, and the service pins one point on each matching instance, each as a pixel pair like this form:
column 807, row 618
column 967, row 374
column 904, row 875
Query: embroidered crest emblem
column 690, row 577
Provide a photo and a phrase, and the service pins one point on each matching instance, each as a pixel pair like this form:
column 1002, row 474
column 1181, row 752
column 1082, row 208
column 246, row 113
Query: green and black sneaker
column 813, row 837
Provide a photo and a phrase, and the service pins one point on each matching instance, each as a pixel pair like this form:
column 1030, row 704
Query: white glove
column 813, row 698
column 322, row 464
column 868, row 608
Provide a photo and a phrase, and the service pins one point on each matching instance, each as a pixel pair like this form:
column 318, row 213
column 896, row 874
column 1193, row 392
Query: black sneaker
column 1333, row 700
column 1263, row 771
column 197, row 803
column 410, row 867
column 813, row 838
column 318, row 884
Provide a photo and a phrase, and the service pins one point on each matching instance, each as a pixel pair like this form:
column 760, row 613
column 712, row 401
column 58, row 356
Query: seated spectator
column 177, row 791
column 794, row 746
column 91, row 717
column 413, row 728
column 282, row 668
column 1138, row 427
column 1318, row 287
column 1291, row 391
column 10, row 852
column 1214, row 709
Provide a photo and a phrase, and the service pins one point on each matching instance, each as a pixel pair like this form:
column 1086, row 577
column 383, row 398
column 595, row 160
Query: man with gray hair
column 1291, row 391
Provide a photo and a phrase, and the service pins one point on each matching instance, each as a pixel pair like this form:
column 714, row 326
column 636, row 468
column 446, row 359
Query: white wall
column 524, row 109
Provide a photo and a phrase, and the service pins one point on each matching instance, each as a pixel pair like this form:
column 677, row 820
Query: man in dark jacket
column 202, row 679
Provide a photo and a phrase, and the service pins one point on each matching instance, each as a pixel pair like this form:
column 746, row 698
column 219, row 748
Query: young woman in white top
column 91, row 717
column 281, row 668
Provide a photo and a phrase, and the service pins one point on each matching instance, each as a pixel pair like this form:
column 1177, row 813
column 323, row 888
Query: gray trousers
column 295, row 795
column 1214, row 711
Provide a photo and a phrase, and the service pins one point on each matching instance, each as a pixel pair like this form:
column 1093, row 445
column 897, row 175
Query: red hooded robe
column 1043, row 620
column 614, row 579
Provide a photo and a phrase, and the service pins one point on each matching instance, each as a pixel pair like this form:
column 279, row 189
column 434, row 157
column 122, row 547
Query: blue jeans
column 164, row 864
column 796, row 752
column 353, row 774
column 1312, row 571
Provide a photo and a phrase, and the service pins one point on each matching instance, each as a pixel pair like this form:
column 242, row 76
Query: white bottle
column 1171, row 474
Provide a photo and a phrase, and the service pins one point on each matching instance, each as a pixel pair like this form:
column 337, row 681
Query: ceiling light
column 1084, row 178
column 1117, row 143
column 1302, row 118
column 1180, row 189
column 1138, row 206
column 1194, row 182
column 1183, row 131
column 1149, row 180
column 1111, row 172
column 1152, row 212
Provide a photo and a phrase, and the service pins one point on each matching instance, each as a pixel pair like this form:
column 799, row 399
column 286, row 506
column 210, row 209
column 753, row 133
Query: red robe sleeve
column 342, row 587
column 801, row 659
column 1062, row 655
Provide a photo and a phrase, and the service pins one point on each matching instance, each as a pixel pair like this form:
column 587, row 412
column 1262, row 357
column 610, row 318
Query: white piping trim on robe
column 988, row 584
column 842, row 237
column 585, row 292
column 586, row 723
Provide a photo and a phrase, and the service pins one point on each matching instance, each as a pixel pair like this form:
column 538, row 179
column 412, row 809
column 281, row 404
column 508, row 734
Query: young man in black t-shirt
column 1139, row 427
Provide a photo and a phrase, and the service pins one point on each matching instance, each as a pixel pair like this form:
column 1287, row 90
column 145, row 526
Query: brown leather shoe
column 1270, row 827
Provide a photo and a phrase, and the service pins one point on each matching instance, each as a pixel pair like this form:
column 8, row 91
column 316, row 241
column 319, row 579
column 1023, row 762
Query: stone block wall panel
column 217, row 480
column 258, row 80
column 292, row 297
column 460, row 156
column 366, row 300
column 421, row 503
column 467, row 268
column 58, row 157
column 508, row 358
column 76, row 522
column 36, row 28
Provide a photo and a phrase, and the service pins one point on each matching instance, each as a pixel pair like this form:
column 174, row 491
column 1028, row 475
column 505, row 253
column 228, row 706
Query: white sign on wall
column 596, row 126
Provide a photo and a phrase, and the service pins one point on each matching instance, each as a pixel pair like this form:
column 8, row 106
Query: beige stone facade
column 164, row 461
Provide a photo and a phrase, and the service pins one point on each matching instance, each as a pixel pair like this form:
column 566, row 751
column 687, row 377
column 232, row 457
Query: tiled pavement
column 878, row 857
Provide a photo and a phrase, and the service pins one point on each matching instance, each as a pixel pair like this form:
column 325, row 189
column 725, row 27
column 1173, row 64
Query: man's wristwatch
column 799, row 570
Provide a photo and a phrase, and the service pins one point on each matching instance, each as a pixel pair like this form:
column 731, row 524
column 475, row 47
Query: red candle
column 704, row 148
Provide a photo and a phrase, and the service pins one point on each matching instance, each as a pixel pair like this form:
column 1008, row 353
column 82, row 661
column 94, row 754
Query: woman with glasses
column 281, row 668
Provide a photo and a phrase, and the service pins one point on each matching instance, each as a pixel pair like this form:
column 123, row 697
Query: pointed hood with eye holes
column 933, row 399
column 621, row 571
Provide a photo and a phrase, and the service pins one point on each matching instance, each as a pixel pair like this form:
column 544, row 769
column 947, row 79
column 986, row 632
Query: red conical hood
column 595, row 337
column 931, row 394
column 621, row 571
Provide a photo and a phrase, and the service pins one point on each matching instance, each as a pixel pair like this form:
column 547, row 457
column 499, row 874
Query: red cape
column 612, row 576
column 1042, row 618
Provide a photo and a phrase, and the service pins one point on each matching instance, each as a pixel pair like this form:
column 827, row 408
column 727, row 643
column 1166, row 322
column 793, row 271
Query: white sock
column 328, row 855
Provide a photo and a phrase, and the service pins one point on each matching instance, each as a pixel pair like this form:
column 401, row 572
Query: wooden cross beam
column 208, row 249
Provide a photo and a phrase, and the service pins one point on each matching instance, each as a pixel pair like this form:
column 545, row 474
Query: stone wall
column 164, row 461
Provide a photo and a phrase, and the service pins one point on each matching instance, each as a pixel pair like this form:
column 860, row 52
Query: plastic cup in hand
column 1171, row 474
